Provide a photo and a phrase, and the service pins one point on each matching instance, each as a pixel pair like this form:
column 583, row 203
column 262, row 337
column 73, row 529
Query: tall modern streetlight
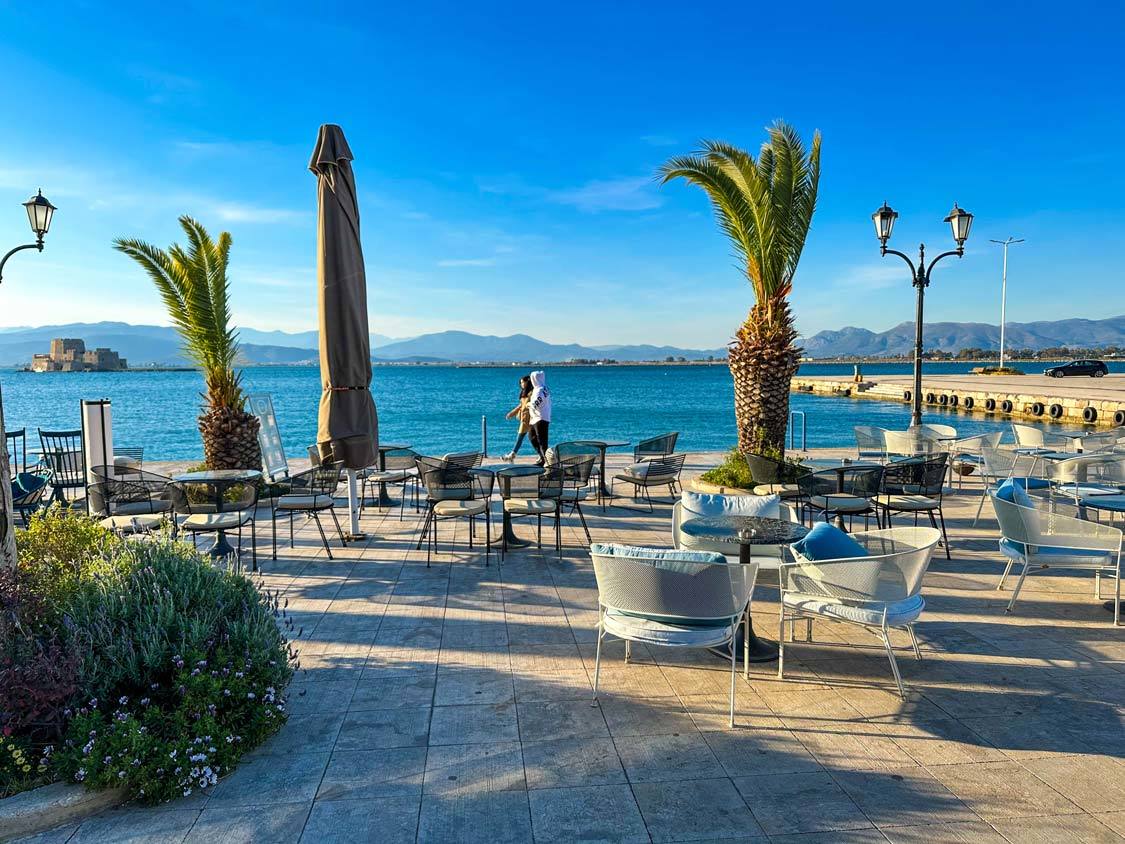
column 1004, row 289
column 960, row 221
column 39, row 214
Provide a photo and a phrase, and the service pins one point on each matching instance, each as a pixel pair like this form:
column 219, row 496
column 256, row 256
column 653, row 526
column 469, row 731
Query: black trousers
column 538, row 436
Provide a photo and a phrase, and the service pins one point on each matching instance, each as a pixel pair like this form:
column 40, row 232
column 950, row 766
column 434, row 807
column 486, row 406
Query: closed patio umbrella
column 348, row 425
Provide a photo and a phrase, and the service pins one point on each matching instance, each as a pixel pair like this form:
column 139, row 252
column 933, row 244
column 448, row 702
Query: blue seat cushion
column 668, row 559
column 827, row 542
column 1015, row 493
column 700, row 504
column 901, row 612
column 26, row 483
column 1012, row 548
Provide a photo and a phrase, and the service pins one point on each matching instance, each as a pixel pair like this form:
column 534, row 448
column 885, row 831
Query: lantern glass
column 960, row 221
column 884, row 220
column 39, row 214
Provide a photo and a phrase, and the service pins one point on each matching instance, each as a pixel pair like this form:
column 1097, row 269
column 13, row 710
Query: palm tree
column 765, row 207
column 195, row 289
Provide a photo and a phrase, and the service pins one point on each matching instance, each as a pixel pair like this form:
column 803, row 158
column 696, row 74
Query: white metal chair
column 934, row 431
column 1034, row 438
column 1000, row 464
column 878, row 592
column 677, row 599
column 965, row 454
column 1034, row 537
column 912, row 443
column 1098, row 473
column 870, row 442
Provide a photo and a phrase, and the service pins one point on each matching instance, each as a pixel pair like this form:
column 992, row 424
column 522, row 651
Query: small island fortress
column 70, row 355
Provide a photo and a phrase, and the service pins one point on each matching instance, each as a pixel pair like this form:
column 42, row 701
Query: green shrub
column 179, row 663
column 61, row 549
column 732, row 472
column 20, row 766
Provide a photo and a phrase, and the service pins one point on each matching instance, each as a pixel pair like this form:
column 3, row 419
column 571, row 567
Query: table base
column 761, row 650
column 221, row 548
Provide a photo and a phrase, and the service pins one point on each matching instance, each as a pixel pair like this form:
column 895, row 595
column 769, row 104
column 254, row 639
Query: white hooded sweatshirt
column 539, row 406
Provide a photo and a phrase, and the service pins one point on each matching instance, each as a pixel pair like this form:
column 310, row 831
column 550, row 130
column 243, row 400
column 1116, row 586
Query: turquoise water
column 438, row 409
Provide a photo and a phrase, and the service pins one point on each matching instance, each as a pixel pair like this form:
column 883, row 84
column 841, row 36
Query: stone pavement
column 453, row 704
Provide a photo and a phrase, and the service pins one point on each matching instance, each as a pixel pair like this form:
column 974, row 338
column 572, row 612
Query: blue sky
column 505, row 156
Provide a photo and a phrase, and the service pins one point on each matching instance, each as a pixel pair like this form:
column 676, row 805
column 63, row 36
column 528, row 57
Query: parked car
column 1093, row 368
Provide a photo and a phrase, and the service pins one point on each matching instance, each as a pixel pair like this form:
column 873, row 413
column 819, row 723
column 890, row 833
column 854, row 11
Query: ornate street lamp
column 960, row 221
column 39, row 213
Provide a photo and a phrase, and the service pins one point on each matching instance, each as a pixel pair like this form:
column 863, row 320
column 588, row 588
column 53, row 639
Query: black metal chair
column 131, row 501
column 63, row 457
column 454, row 491
column 577, row 470
column 585, row 448
column 654, row 472
column 400, row 469
column 310, row 492
column 195, row 501
column 29, row 493
column 773, row 477
column 661, row 446
column 841, row 492
column 914, row 485
column 533, row 495
column 16, row 444
column 128, row 458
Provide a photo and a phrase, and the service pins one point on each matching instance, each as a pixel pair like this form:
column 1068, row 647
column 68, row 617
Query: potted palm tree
column 194, row 286
column 765, row 206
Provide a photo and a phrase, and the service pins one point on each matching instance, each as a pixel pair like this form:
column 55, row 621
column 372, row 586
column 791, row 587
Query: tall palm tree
column 765, row 207
column 194, row 286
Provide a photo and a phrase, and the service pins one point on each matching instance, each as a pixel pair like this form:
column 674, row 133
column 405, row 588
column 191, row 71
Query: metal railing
column 793, row 414
column 484, row 435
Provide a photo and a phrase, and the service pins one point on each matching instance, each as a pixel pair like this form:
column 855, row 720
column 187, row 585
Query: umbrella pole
column 353, row 508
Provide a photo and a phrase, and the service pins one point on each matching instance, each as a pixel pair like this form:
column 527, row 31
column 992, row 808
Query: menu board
column 274, row 464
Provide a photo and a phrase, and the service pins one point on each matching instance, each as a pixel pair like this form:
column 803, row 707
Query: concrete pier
column 1081, row 401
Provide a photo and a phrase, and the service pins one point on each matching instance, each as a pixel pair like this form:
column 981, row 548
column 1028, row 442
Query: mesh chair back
column 468, row 459
column 973, row 445
column 514, row 485
column 577, row 469
column 399, row 459
column 113, row 489
column 1096, row 468
column 907, row 443
column 325, row 478
column 16, row 443
column 916, row 476
column 864, row 482
column 196, row 497
column 1000, row 463
column 897, row 562
column 661, row 468
column 764, row 470
column 552, row 481
column 933, row 431
column 62, row 454
column 656, row 446
column 671, row 587
column 1034, row 436
column 314, row 455
column 578, row 448
column 869, row 441
column 1017, row 524
column 444, row 481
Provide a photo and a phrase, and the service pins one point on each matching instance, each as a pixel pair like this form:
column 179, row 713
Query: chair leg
column 1004, row 576
column 894, row 664
column 254, row 544
column 628, row 650
column 944, row 535
column 781, row 643
column 598, row 657
column 323, row 537
column 1019, row 584
column 487, row 534
column 914, row 642
column 980, row 505
column 745, row 644
column 582, row 518
column 733, row 661
column 339, row 530
column 273, row 529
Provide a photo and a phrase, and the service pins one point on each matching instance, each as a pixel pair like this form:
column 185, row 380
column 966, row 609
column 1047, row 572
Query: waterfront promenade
column 453, row 704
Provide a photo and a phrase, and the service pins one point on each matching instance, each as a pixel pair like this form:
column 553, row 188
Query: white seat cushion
column 780, row 490
column 305, row 502
column 138, row 522
column 907, row 502
column 460, row 508
column 695, row 504
column 572, row 494
column 640, row 629
column 529, row 506
column 136, row 508
column 216, row 521
column 840, row 502
column 901, row 612
column 389, row 476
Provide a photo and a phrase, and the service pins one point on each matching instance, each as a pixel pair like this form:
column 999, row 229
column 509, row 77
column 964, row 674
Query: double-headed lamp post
column 39, row 213
column 961, row 221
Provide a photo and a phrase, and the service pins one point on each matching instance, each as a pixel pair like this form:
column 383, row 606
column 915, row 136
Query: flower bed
column 132, row 664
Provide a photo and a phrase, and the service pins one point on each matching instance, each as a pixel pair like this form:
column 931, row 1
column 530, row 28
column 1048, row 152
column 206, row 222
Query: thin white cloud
column 635, row 194
column 871, row 277
column 467, row 262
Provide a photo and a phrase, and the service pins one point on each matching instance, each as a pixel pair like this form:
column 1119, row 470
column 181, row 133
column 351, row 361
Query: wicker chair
column 654, row 472
column 830, row 494
column 455, row 492
column 660, row 446
column 63, row 457
column 311, row 492
column 131, row 502
column 879, row 591
column 678, row 599
column 914, row 486
column 1039, row 539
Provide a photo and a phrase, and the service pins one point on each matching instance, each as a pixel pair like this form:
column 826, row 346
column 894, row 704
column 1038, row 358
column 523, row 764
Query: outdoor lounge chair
column 454, row 491
column 654, row 472
column 914, row 486
column 660, row 446
column 677, row 599
column 132, row 501
column 1038, row 539
column 872, row 579
column 312, row 494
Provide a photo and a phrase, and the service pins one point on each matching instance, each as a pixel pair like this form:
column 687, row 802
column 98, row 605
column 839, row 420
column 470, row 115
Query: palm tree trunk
column 763, row 361
column 7, row 512
column 230, row 439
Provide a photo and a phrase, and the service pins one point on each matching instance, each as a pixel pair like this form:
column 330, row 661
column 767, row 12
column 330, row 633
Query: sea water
column 437, row 409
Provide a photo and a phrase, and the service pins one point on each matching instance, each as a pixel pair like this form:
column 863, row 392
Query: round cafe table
column 839, row 465
column 602, row 445
column 746, row 532
column 504, row 473
column 385, row 500
column 219, row 481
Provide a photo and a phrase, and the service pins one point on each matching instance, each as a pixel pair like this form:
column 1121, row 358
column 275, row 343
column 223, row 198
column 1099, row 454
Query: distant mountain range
column 155, row 345
column 954, row 336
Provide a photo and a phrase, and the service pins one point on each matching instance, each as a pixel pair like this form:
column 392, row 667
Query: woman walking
column 539, row 414
column 520, row 412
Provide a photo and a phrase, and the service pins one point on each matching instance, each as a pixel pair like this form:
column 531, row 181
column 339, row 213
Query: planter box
column 714, row 489
column 52, row 805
